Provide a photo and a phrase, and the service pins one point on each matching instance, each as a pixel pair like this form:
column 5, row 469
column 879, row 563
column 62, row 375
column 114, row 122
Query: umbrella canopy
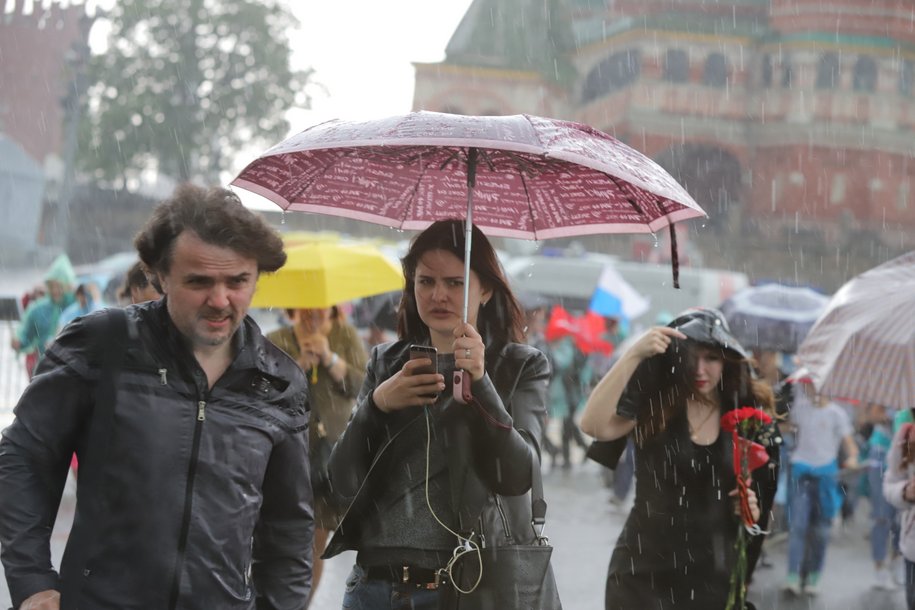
column 863, row 345
column 773, row 316
column 532, row 177
column 323, row 274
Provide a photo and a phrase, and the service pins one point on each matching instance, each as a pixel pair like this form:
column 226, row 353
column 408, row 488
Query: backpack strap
column 91, row 472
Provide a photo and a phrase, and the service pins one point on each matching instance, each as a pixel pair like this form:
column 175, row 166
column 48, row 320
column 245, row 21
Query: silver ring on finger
column 467, row 353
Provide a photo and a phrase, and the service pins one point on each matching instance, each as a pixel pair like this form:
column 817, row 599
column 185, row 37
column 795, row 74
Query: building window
column 828, row 71
column 787, row 72
column 837, row 192
column 716, row 70
column 676, row 66
column 765, row 74
column 902, row 199
column 865, row 77
column 612, row 74
column 906, row 75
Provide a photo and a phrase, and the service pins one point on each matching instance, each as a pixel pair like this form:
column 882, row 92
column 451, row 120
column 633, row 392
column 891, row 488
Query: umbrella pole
column 468, row 224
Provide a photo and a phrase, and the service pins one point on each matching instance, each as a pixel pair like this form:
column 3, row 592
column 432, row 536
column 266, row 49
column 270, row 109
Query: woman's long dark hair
column 499, row 322
column 662, row 384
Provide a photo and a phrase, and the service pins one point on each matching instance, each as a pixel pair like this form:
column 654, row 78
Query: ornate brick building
column 790, row 121
column 35, row 43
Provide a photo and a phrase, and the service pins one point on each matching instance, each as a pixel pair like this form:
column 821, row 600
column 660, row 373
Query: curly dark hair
column 218, row 217
column 501, row 321
column 663, row 383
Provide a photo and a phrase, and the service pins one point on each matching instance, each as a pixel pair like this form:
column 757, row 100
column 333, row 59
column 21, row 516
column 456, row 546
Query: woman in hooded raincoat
column 40, row 320
column 669, row 390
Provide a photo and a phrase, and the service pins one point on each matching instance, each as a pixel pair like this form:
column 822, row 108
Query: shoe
column 792, row 585
column 883, row 579
column 812, row 584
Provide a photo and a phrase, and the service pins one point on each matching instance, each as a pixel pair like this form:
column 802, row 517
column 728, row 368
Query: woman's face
column 313, row 320
column 439, row 289
column 709, row 366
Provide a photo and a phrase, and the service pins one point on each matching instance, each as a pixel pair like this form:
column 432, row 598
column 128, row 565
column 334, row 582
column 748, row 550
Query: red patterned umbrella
column 518, row 176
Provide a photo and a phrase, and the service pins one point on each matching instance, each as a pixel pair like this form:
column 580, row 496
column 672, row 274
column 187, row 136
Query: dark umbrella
column 773, row 316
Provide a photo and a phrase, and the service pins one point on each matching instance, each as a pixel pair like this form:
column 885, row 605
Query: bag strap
column 538, row 503
column 114, row 348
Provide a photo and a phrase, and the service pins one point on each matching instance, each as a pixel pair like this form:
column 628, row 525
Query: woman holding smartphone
column 427, row 478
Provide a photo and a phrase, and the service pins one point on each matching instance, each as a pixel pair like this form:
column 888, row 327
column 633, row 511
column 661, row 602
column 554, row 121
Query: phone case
column 423, row 351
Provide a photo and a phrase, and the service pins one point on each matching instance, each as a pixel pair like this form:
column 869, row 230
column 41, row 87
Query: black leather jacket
column 206, row 495
column 489, row 464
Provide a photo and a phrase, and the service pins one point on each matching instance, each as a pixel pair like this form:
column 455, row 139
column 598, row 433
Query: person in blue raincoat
column 88, row 300
column 39, row 322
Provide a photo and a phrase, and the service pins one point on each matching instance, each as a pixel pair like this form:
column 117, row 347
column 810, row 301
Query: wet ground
column 583, row 527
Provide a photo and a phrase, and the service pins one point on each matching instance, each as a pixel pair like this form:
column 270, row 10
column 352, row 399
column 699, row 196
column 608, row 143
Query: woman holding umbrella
column 429, row 479
column 669, row 390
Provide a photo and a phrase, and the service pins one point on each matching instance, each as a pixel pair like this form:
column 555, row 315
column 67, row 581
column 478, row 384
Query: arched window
column 906, row 76
column 676, row 66
column 615, row 72
column 828, row 71
column 787, row 72
column 716, row 70
column 765, row 71
column 865, row 77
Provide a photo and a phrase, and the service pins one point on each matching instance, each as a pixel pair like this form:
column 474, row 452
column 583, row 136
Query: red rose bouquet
column 744, row 424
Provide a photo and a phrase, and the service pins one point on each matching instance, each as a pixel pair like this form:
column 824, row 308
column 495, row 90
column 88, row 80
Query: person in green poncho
column 39, row 322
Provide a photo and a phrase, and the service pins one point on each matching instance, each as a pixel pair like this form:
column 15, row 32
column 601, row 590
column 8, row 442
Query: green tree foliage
column 185, row 83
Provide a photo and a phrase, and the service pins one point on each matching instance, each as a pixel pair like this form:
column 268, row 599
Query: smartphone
column 424, row 351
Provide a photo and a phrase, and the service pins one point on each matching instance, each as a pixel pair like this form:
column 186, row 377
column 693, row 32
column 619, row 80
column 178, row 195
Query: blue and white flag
column 614, row 297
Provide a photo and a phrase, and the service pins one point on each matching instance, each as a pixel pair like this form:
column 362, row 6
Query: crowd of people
column 220, row 466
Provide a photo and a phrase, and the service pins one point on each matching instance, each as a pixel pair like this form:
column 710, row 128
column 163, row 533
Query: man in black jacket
column 190, row 429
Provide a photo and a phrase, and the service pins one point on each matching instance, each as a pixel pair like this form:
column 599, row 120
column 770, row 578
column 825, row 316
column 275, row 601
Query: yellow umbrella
column 322, row 274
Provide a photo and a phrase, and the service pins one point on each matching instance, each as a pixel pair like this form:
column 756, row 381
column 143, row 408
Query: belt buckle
column 405, row 575
column 435, row 584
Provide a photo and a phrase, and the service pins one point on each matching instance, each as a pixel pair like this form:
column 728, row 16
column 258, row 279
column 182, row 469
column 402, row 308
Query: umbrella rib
column 630, row 199
column 530, row 208
column 409, row 202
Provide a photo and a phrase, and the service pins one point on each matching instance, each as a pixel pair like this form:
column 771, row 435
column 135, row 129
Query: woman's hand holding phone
column 416, row 384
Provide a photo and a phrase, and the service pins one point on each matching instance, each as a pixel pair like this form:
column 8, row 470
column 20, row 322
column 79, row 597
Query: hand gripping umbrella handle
column 461, row 387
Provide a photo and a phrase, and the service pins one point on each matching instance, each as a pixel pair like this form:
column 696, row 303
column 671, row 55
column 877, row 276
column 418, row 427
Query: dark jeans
column 364, row 594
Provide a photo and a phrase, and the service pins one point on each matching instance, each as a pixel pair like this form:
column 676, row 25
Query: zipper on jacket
column 188, row 504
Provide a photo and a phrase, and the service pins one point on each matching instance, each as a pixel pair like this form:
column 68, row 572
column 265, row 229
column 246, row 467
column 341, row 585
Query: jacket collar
column 248, row 342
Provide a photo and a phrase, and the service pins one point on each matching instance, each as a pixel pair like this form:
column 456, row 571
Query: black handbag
column 318, row 457
column 515, row 576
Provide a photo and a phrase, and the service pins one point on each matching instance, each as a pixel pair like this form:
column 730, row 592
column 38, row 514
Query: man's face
column 209, row 290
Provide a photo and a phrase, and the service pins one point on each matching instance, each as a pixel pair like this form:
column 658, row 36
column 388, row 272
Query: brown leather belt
column 423, row 578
